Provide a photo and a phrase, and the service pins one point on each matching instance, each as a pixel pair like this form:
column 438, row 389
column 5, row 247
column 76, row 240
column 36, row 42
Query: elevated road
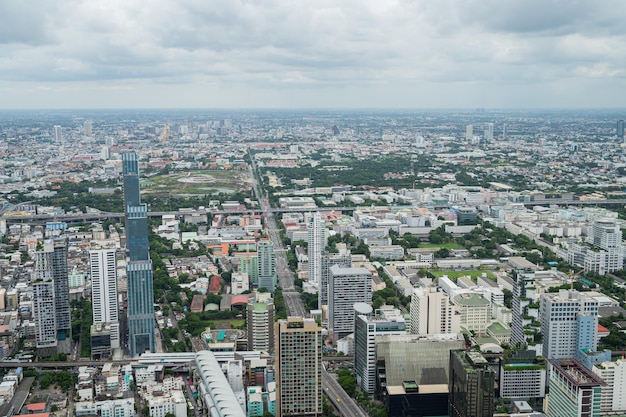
column 13, row 217
column 338, row 397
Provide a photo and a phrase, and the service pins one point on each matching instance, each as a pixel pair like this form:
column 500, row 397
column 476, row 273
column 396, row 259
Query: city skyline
column 346, row 54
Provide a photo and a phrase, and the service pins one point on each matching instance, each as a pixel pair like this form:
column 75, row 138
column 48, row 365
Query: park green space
column 196, row 183
column 440, row 246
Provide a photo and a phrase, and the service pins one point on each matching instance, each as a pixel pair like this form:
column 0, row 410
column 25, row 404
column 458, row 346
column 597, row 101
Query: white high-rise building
column 386, row 321
column 614, row 392
column 469, row 132
column 606, row 234
column 328, row 260
column 569, row 324
column 88, row 128
column 58, row 134
column 347, row 287
column 489, row 132
column 432, row 312
column 316, row 245
column 103, row 267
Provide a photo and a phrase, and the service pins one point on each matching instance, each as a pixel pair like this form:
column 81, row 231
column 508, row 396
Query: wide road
column 292, row 298
column 338, row 397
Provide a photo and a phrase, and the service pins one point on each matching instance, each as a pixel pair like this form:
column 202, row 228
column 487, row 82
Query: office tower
column 386, row 321
column 316, row 246
column 614, row 392
column 519, row 305
column 103, row 268
column 260, row 322
column 471, row 385
column 569, row 324
column 432, row 312
column 504, row 131
column 53, row 258
column 489, row 132
column 298, row 367
column 328, row 260
column 88, row 128
column 573, row 390
column 469, row 132
column 607, row 235
column 266, row 265
column 347, row 287
column 620, row 129
column 139, row 266
column 44, row 313
column 58, row 134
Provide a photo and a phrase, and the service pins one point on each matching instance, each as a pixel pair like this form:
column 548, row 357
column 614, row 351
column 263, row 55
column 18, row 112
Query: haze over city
column 312, row 54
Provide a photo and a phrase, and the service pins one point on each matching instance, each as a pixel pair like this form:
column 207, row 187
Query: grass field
column 441, row 245
column 196, row 183
column 234, row 323
column 454, row 275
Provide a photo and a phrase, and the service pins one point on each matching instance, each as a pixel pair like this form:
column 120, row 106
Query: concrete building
column 44, row 314
column 328, row 260
column 266, row 266
column 614, row 392
column 523, row 376
column 386, row 321
column 471, row 385
column 53, row 259
column 260, row 323
column 316, row 245
column 573, row 390
column 432, row 312
column 475, row 311
column 347, row 287
column 215, row 396
column 298, row 367
column 104, row 295
column 569, row 324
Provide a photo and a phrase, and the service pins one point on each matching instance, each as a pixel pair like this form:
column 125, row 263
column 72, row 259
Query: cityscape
column 321, row 208
column 348, row 263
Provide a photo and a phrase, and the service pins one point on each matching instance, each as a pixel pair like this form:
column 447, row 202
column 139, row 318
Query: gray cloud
column 276, row 52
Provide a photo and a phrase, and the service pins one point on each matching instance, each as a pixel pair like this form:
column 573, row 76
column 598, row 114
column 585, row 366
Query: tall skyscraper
column 347, row 287
column 316, row 246
column 432, row 312
column 44, row 314
column 386, row 321
column 328, row 260
column 266, row 265
column 298, row 367
column 53, row 258
column 620, row 129
column 489, row 132
column 260, row 323
column 58, row 134
column 139, row 266
column 569, row 324
column 103, row 267
column 519, row 304
column 471, row 385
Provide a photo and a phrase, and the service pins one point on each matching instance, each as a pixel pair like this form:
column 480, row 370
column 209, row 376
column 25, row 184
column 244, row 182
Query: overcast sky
column 312, row 53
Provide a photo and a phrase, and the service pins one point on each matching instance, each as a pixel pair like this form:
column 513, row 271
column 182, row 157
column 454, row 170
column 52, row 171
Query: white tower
column 58, row 134
column 316, row 245
column 103, row 267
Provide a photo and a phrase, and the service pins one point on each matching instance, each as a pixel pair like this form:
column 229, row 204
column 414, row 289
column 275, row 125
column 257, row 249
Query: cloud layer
column 312, row 53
